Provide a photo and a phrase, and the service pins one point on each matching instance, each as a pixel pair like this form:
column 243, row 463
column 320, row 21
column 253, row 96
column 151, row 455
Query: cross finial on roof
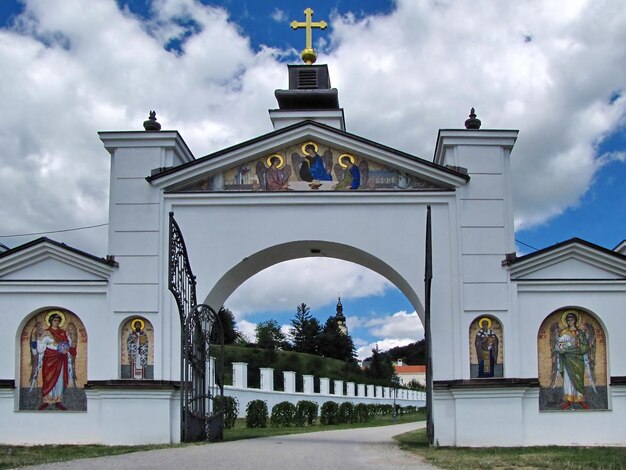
column 309, row 56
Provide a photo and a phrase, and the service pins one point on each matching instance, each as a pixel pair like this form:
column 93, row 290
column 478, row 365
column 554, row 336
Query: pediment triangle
column 51, row 262
column 310, row 157
column 574, row 261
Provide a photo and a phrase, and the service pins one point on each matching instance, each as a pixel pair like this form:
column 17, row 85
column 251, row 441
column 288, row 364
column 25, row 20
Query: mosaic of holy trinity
column 310, row 166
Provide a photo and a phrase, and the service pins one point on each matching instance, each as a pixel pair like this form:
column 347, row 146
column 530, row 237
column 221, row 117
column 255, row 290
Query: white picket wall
column 356, row 393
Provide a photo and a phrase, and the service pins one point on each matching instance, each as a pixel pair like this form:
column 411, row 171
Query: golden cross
column 308, row 54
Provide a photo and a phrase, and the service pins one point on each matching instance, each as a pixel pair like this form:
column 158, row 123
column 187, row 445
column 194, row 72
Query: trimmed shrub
column 230, row 407
column 362, row 413
column 346, row 413
column 306, row 413
column 256, row 414
column 329, row 413
column 282, row 415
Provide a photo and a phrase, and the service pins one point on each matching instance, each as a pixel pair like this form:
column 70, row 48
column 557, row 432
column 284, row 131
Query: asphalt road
column 352, row 449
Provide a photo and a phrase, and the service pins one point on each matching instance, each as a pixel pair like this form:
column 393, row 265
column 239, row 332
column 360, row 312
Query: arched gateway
column 311, row 189
column 521, row 346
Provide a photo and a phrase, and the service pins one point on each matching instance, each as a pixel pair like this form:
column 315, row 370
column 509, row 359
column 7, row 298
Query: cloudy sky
column 404, row 69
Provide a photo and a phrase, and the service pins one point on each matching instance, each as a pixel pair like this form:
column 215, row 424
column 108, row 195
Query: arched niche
column 53, row 362
column 572, row 362
column 137, row 349
column 486, row 342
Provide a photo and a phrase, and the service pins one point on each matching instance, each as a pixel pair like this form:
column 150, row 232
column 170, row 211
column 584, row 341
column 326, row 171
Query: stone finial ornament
column 151, row 124
column 473, row 122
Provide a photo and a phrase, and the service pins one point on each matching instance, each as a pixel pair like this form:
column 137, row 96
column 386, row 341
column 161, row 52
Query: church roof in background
column 410, row 369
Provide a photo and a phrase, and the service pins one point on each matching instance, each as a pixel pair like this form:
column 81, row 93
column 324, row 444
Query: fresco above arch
column 310, row 166
column 137, row 349
column 571, row 346
column 53, row 362
column 486, row 348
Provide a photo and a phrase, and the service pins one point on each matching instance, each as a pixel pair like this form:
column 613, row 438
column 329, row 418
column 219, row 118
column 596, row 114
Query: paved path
column 352, row 449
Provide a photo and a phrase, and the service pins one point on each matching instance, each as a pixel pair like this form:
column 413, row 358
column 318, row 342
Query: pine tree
column 381, row 366
column 335, row 344
column 305, row 331
column 228, row 326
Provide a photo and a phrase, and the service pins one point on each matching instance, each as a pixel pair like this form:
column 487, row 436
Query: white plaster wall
column 246, row 395
column 112, row 418
column 575, row 428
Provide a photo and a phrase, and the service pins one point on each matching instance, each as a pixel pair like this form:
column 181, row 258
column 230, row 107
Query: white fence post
column 307, row 384
column 350, row 392
column 339, row 387
column 370, row 390
column 360, row 390
column 289, row 378
column 324, row 386
column 267, row 379
column 240, row 374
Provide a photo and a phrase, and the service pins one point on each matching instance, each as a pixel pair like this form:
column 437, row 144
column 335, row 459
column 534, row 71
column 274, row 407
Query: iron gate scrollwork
column 202, row 350
column 202, row 390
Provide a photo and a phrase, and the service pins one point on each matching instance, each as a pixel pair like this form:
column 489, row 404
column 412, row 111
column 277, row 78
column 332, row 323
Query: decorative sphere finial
column 151, row 124
column 309, row 56
column 473, row 122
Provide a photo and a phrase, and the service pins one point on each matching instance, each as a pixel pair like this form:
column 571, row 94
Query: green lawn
column 20, row 456
column 566, row 458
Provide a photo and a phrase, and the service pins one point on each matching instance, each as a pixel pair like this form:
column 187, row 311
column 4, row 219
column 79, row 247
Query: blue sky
column 553, row 70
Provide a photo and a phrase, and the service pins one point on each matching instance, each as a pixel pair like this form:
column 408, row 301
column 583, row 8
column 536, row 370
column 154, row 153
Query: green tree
column 381, row 367
column 228, row 325
column 335, row 344
column 305, row 331
column 269, row 336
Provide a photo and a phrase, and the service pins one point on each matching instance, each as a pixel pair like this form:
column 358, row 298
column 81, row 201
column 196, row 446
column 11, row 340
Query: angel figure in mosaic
column 313, row 166
column 137, row 345
column 53, row 353
column 573, row 358
column 275, row 175
column 349, row 174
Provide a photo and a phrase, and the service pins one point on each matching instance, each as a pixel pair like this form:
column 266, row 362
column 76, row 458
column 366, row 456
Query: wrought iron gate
column 202, row 350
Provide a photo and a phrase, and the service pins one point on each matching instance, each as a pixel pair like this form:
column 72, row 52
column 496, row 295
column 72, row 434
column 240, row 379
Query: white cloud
column 397, row 329
column 400, row 324
column 554, row 70
column 279, row 15
column 316, row 282
column 365, row 351
column 248, row 329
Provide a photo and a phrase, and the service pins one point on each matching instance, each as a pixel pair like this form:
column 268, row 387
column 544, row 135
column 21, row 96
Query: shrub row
column 305, row 413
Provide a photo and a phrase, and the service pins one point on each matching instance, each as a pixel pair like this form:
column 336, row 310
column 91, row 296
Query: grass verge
column 20, row 456
column 569, row 458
